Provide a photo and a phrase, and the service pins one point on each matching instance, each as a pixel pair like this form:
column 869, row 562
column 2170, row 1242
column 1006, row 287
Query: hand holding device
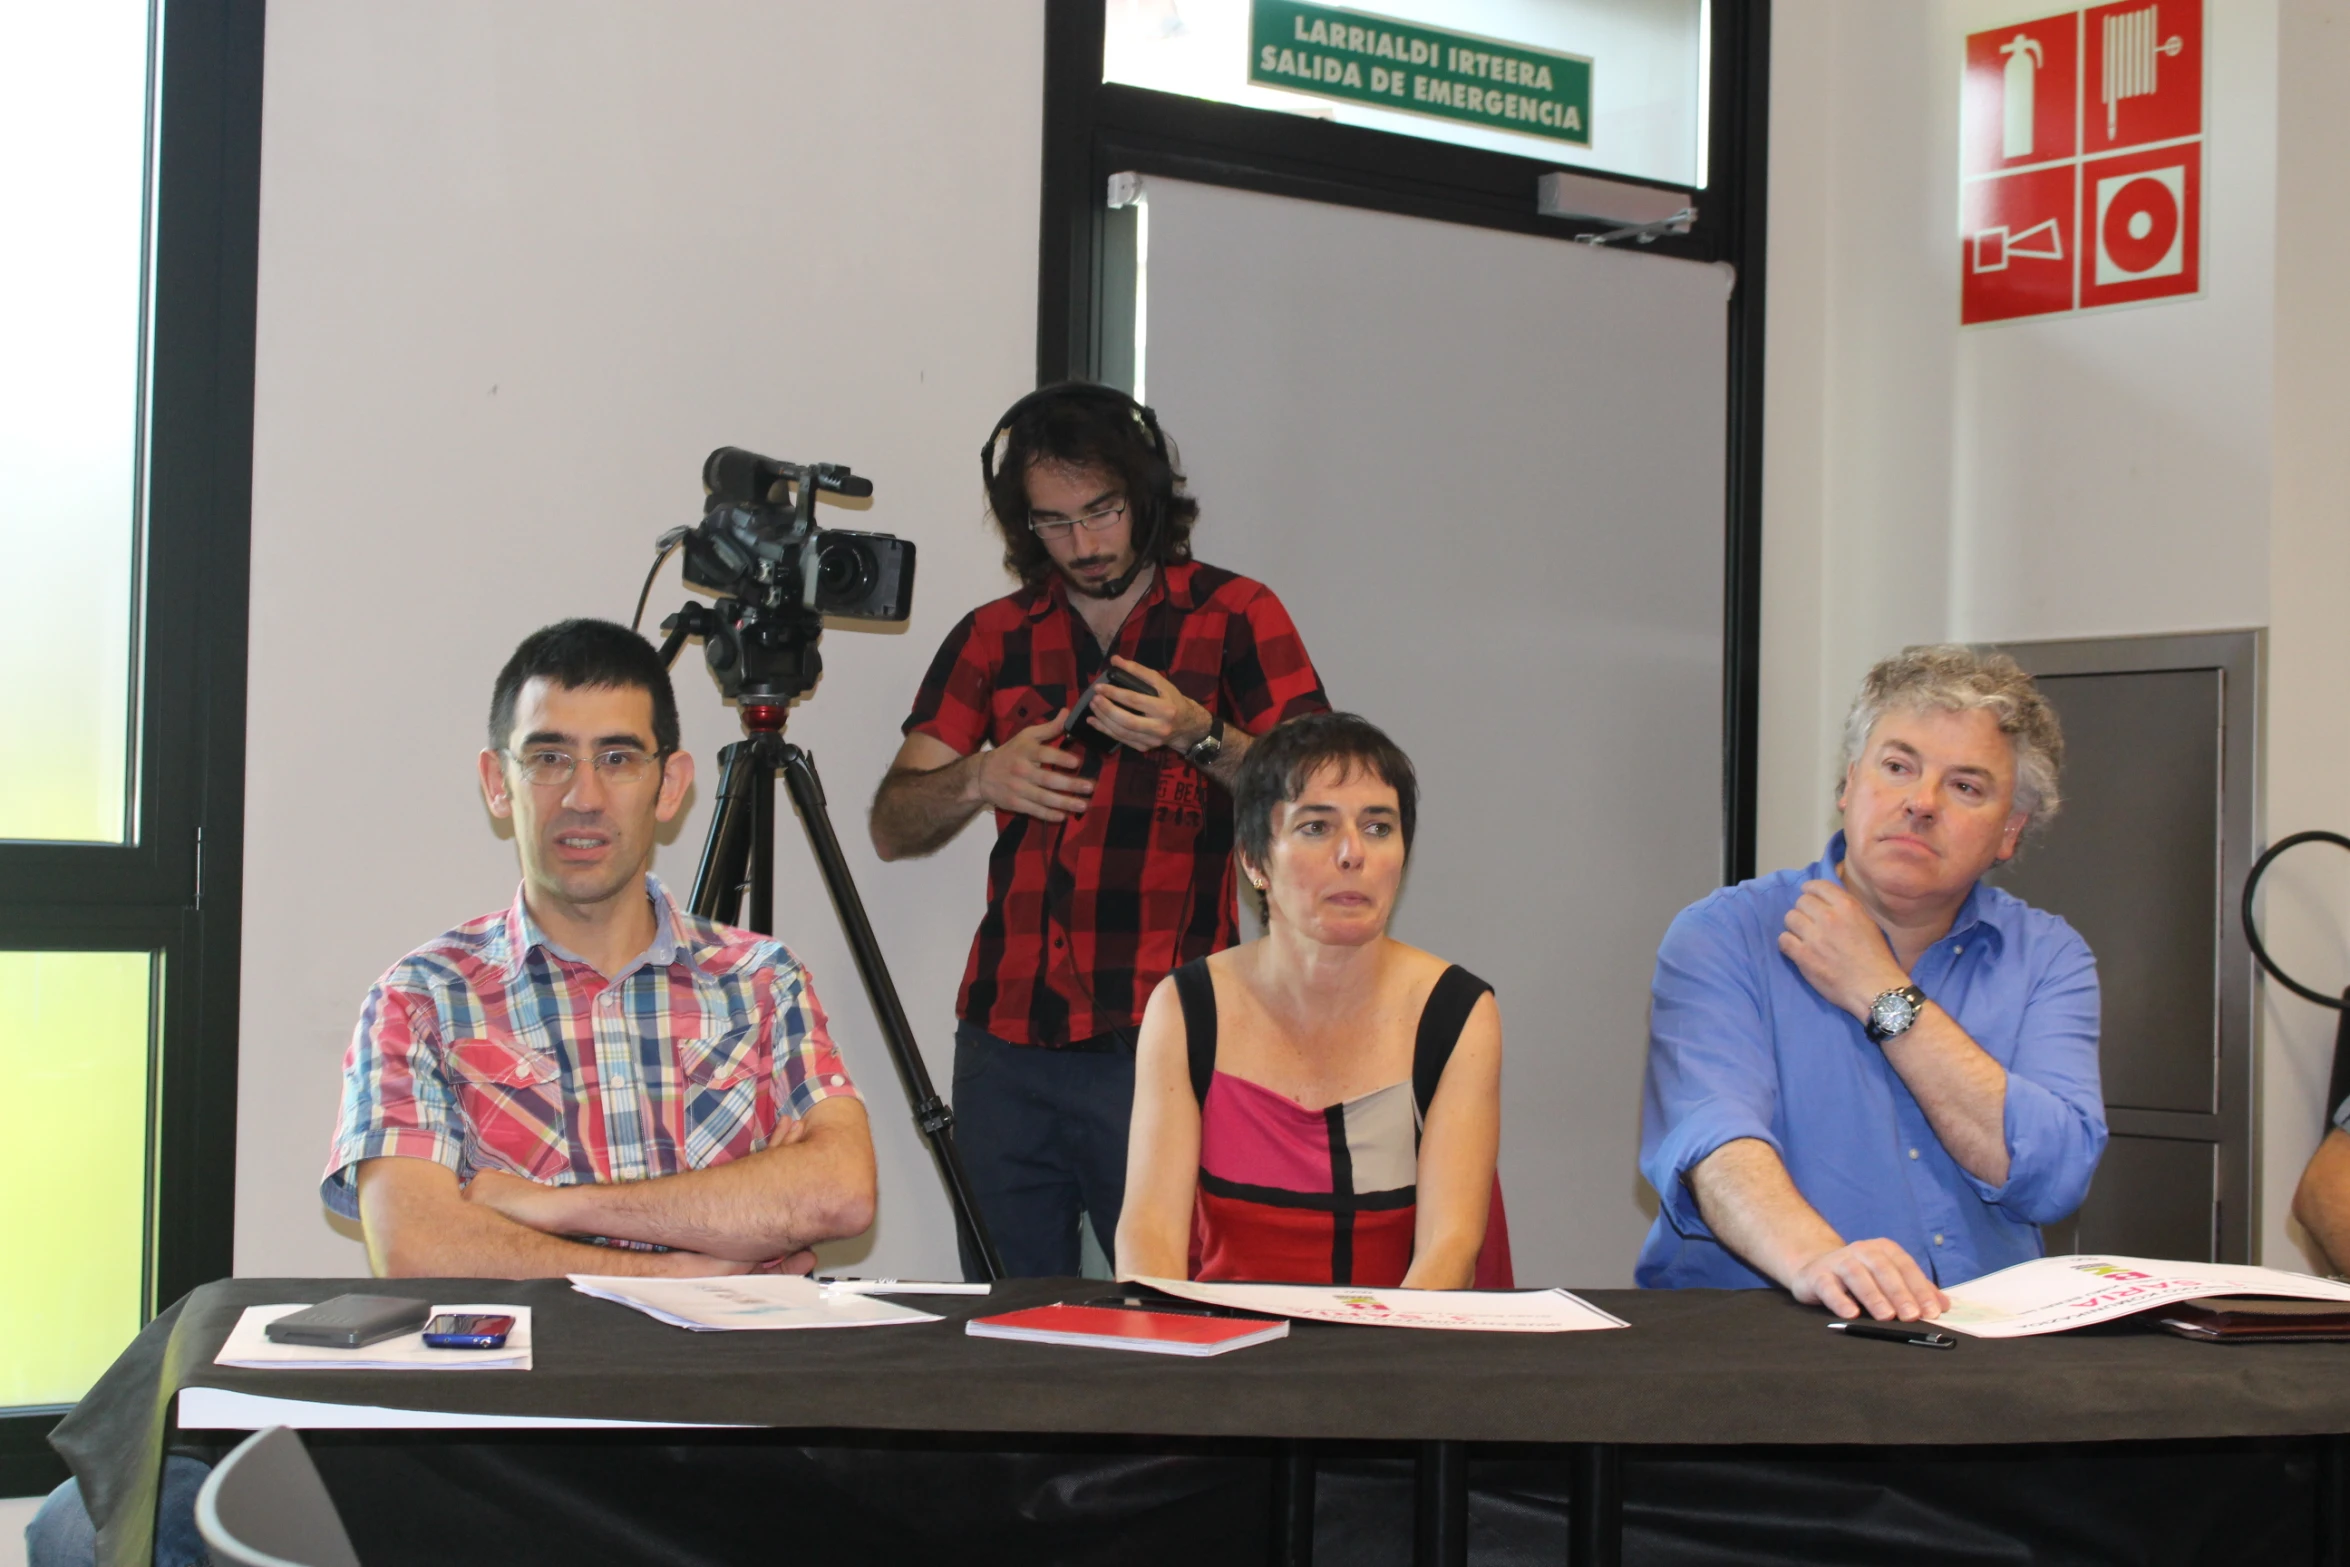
column 1083, row 707
column 1142, row 708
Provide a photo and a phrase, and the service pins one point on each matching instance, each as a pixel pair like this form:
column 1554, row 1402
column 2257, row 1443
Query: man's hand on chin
column 1839, row 948
column 1875, row 1276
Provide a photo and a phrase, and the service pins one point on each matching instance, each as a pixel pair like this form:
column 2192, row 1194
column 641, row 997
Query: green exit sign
column 1358, row 57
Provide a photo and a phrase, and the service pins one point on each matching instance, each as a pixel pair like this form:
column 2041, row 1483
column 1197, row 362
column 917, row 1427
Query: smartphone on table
column 467, row 1330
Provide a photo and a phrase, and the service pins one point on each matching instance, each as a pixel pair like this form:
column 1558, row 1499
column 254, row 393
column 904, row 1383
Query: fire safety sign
column 2081, row 161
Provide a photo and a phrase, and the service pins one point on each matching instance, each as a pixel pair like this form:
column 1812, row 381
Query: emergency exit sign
column 2081, row 161
column 1384, row 63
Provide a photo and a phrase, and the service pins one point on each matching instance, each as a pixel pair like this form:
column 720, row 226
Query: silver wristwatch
column 1209, row 746
column 1894, row 1013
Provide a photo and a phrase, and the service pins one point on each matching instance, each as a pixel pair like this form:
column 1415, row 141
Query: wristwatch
column 1209, row 746
column 1892, row 1014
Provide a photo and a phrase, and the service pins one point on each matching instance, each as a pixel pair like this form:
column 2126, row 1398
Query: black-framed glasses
column 1092, row 522
column 545, row 767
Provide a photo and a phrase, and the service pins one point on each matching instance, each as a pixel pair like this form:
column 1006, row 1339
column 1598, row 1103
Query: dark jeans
column 1043, row 1135
column 61, row 1534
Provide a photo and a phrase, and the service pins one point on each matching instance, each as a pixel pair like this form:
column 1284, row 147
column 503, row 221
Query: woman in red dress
column 1323, row 1104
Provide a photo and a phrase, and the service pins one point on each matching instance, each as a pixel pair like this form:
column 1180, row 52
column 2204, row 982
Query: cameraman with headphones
column 1112, row 863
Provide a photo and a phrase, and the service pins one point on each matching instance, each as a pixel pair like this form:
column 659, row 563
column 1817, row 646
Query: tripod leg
column 930, row 1111
column 762, row 917
column 718, row 879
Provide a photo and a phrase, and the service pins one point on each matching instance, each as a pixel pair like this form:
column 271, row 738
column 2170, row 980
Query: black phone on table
column 350, row 1321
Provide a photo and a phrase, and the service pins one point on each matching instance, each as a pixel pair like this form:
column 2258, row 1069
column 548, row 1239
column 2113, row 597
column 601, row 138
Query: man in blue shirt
column 1877, row 1076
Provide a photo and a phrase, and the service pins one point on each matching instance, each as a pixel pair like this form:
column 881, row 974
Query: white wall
column 2174, row 467
column 523, row 262
column 2307, row 920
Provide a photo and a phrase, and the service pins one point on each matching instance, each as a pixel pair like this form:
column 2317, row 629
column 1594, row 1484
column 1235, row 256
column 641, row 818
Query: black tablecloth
column 1696, row 1368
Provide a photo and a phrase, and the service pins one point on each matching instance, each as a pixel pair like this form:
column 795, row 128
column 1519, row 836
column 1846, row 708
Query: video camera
column 776, row 576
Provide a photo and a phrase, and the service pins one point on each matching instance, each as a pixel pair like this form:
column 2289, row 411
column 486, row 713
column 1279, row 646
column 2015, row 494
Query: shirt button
column 836, row 1080
column 1955, row 951
column 1058, row 942
column 1937, row 1238
column 1913, row 1153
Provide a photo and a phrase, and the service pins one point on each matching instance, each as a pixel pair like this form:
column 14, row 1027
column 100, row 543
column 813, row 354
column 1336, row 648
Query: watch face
column 1892, row 1013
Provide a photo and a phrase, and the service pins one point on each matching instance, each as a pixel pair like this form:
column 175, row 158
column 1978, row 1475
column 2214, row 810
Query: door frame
column 1094, row 129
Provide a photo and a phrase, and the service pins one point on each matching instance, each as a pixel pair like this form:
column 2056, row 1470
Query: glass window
column 1611, row 85
column 73, row 186
column 75, row 1033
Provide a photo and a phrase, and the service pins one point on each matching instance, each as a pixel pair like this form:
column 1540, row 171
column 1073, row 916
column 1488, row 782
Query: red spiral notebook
column 1128, row 1327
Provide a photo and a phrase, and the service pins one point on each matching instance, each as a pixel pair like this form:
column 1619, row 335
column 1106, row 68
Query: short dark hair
column 1091, row 426
column 1278, row 765
column 584, row 653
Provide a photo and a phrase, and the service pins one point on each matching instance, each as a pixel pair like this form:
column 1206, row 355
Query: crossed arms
column 761, row 1212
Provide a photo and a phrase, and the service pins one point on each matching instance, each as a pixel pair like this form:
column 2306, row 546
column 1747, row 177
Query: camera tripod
column 738, row 856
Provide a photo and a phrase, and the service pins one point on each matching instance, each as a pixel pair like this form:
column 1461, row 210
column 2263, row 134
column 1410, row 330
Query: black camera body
column 777, row 577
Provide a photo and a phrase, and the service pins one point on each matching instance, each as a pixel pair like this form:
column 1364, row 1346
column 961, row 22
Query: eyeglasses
column 1093, row 521
column 548, row 768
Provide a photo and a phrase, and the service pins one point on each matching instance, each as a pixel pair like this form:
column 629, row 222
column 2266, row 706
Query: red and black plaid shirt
column 1085, row 917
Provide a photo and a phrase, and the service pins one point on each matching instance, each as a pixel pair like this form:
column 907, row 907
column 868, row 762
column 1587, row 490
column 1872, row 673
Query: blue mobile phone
column 467, row 1330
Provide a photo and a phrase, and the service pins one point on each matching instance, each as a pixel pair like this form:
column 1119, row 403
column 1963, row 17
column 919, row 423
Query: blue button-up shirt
column 1740, row 1045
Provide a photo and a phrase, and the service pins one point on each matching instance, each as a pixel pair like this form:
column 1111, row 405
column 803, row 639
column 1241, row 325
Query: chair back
column 264, row 1506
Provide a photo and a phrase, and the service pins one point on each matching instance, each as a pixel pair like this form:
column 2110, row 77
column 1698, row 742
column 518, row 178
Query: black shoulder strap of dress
column 1441, row 1021
column 1197, row 991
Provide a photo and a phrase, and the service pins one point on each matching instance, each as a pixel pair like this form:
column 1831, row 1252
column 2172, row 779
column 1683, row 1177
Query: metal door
column 2155, row 835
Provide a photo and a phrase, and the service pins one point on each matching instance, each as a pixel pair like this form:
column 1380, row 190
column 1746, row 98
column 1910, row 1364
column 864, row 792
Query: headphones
column 1085, row 391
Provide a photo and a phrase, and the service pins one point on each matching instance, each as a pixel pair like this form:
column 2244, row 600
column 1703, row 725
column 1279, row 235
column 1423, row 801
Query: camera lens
column 845, row 573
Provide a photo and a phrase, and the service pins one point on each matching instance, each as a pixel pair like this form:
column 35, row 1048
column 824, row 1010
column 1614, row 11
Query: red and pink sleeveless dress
column 1324, row 1196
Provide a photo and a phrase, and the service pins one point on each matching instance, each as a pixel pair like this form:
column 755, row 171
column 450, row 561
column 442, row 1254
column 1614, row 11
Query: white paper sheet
column 764, row 1301
column 2051, row 1294
column 248, row 1346
column 1469, row 1311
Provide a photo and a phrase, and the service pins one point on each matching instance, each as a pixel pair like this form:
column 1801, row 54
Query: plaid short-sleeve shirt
column 493, row 1049
column 1085, row 917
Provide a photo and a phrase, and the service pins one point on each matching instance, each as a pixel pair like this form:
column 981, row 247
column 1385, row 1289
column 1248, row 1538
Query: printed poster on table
column 2052, row 1294
column 1460, row 1311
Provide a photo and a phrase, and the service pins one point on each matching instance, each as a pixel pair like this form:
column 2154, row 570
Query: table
column 1700, row 1370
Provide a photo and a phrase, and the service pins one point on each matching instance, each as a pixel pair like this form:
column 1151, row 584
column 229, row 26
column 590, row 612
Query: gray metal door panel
column 2145, row 860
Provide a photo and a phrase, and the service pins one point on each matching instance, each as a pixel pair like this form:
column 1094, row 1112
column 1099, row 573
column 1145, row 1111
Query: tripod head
column 759, row 655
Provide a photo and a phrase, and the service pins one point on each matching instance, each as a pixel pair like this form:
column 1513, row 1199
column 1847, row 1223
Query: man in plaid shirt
column 1113, row 856
column 595, row 1080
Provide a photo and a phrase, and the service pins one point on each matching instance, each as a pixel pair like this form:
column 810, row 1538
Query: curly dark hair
column 1091, row 426
column 1279, row 763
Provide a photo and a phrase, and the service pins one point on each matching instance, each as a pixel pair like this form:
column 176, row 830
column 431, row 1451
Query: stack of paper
column 2054, row 1293
column 1471, row 1311
column 250, row 1347
column 759, row 1301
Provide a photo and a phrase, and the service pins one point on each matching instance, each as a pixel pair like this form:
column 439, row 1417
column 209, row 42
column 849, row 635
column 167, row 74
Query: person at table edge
column 595, row 1080
column 1877, row 1076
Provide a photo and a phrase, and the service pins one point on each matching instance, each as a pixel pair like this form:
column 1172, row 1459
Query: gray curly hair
column 1956, row 679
